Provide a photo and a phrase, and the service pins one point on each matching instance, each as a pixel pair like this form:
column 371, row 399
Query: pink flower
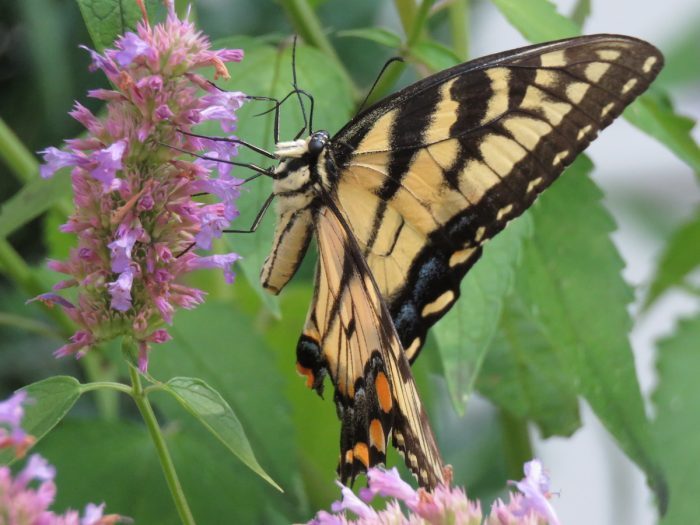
column 135, row 216
column 11, row 433
column 444, row 504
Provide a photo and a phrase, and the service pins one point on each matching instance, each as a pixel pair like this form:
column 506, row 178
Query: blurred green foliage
column 554, row 304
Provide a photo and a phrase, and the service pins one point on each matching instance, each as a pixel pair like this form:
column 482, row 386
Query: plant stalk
column 459, row 27
column 166, row 461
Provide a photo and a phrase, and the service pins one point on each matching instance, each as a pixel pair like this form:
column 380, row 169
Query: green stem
column 166, row 461
column 109, row 385
column 28, row 325
column 517, row 448
column 17, row 157
column 418, row 24
column 307, row 24
column 459, row 27
column 407, row 13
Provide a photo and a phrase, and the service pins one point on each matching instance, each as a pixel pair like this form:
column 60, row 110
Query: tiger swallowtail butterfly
column 401, row 201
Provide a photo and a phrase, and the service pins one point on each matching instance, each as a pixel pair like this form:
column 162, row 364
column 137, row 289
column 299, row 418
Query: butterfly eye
column 317, row 143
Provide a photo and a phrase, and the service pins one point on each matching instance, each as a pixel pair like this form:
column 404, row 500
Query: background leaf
column 108, row 19
column 523, row 373
column 677, row 399
column 571, row 280
column 434, row 55
column 653, row 114
column 537, row 20
column 465, row 332
column 31, row 201
column 207, row 405
column 48, row 403
column 380, row 35
column 677, row 260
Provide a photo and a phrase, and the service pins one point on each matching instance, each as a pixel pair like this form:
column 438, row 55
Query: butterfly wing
column 350, row 336
column 429, row 174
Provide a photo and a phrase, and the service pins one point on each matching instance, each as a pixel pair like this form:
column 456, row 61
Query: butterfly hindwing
column 350, row 336
column 429, row 174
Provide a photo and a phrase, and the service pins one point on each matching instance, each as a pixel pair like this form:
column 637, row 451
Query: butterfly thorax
column 303, row 165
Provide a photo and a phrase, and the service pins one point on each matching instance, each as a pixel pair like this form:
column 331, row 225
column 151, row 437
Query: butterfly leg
column 258, row 218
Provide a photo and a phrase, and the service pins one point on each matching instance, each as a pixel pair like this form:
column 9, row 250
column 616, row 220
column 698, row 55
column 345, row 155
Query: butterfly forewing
column 349, row 335
column 431, row 173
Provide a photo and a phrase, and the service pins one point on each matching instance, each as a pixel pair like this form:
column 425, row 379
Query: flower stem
column 459, row 27
column 20, row 161
column 99, row 385
column 166, row 461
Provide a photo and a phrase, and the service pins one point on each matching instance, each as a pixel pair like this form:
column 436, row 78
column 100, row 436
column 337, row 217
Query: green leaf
column 267, row 71
column 571, row 280
column 31, row 201
column 537, row 20
column 380, row 35
column 116, row 462
column 581, row 12
column 234, row 360
column 677, row 424
column 523, row 374
column 465, row 333
column 49, row 401
column 207, row 405
column 680, row 257
column 654, row 115
column 434, row 55
column 108, row 19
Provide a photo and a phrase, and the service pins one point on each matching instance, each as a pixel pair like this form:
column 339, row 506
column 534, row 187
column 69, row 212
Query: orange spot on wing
column 308, row 373
column 361, row 453
column 381, row 384
column 349, row 456
column 376, row 435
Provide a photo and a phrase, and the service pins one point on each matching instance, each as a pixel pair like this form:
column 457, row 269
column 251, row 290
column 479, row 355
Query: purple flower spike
column 131, row 47
column 120, row 290
column 535, row 489
column 135, row 216
column 388, row 484
column 353, row 504
column 54, row 160
column 107, row 162
column 121, row 247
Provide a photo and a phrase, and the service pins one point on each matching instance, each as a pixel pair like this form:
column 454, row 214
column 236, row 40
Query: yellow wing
column 429, row 174
column 349, row 335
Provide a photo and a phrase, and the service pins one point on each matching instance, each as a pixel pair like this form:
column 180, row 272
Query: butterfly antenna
column 259, row 170
column 376, row 81
column 299, row 92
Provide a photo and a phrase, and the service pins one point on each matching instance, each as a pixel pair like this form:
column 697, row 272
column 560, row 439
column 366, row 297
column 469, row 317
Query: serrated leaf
column 380, row 35
column 571, row 280
column 267, row 71
column 654, row 115
column 680, row 257
column 677, row 424
column 31, row 201
column 465, row 333
column 523, row 374
column 48, row 402
column 108, row 19
column 217, row 416
column 434, row 55
column 537, row 20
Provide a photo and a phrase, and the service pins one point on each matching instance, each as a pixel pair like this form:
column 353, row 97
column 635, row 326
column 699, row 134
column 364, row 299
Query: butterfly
column 401, row 201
